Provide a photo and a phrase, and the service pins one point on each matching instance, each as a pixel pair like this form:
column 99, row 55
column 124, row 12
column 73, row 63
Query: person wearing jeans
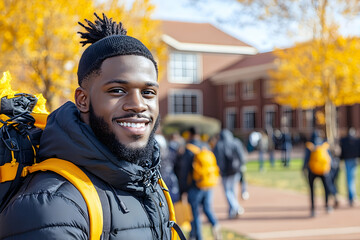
column 196, row 198
column 350, row 166
column 349, row 152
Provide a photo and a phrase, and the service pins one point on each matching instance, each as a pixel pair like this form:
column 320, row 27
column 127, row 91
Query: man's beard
column 140, row 156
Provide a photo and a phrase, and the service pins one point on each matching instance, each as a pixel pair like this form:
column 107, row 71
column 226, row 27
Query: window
column 267, row 88
column 269, row 113
column 183, row 68
column 229, row 92
column 287, row 119
column 306, row 118
column 248, row 89
column 181, row 102
column 249, row 118
column 230, row 118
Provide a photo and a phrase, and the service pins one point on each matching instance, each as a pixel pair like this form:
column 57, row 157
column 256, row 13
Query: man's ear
column 82, row 100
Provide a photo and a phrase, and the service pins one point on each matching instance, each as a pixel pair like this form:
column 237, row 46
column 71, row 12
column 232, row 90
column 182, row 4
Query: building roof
column 202, row 37
column 248, row 68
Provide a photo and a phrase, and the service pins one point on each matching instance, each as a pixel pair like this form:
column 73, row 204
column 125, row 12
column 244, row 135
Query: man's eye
column 116, row 90
column 149, row 92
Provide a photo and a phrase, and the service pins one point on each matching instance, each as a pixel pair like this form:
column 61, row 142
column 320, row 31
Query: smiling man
column 109, row 133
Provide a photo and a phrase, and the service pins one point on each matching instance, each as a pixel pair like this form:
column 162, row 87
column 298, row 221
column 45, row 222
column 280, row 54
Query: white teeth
column 132, row 125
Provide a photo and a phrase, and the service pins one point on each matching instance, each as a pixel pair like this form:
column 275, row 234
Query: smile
column 132, row 125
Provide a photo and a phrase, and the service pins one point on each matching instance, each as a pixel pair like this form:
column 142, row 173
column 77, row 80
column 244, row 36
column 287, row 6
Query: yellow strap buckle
column 8, row 171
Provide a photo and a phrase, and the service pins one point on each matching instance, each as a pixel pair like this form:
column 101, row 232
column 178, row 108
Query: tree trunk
column 330, row 123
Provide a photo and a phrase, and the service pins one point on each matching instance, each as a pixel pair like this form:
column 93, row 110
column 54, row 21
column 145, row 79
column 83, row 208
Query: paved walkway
column 282, row 214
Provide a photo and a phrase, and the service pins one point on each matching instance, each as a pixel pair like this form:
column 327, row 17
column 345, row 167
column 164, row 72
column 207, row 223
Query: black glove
column 19, row 104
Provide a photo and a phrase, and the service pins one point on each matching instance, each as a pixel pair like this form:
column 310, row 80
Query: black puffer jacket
column 49, row 207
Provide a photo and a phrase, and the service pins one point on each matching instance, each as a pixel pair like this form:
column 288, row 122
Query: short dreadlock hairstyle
column 107, row 39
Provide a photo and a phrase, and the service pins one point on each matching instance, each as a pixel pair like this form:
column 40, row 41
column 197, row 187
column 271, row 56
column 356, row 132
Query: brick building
column 214, row 74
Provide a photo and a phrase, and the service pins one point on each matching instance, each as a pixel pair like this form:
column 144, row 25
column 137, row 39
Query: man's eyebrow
column 121, row 81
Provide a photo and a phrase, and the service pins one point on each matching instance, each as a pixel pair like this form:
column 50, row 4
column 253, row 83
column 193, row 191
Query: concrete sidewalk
column 282, row 214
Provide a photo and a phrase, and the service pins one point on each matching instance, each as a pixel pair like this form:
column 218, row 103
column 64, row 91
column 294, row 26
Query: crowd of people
column 179, row 164
column 321, row 161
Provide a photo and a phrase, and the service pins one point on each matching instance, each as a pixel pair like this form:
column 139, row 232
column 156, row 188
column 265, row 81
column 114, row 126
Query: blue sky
column 259, row 35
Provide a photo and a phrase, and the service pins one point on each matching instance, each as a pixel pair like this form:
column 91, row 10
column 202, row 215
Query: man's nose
column 134, row 102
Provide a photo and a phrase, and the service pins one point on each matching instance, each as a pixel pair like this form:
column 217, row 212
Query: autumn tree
column 40, row 47
column 323, row 71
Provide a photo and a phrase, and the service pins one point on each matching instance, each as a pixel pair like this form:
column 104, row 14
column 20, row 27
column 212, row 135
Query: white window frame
column 267, row 89
column 286, row 122
column 245, row 110
column 186, row 92
column 269, row 108
column 230, row 92
column 247, row 91
column 230, row 111
column 172, row 78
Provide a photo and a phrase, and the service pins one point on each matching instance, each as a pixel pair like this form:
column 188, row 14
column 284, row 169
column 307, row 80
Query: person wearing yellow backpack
column 199, row 175
column 109, row 134
column 317, row 164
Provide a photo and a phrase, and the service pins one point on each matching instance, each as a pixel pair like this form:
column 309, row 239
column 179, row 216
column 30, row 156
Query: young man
column 109, row 133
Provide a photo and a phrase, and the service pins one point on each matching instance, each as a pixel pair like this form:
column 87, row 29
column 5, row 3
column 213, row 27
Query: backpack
column 320, row 159
column 20, row 138
column 205, row 169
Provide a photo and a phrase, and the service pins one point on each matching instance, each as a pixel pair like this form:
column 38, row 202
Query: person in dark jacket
column 316, row 140
column 349, row 153
column 109, row 134
column 230, row 157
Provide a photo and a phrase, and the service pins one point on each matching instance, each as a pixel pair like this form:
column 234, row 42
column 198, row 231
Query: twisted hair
column 106, row 39
column 100, row 29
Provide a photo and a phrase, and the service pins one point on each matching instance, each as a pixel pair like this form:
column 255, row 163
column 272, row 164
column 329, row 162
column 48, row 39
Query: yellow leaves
column 310, row 73
column 6, row 90
column 39, row 39
column 5, row 86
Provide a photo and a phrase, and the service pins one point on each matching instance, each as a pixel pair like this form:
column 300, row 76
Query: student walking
column 229, row 154
column 349, row 153
column 313, row 168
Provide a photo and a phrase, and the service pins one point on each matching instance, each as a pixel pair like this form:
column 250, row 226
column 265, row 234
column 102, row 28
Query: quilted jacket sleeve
column 46, row 207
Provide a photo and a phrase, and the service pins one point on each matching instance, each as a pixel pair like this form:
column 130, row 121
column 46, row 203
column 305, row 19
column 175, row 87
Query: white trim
column 199, row 99
column 243, row 74
column 208, row 48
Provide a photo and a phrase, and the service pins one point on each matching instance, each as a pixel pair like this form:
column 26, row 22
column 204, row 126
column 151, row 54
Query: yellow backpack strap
column 82, row 182
column 176, row 232
column 310, row 146
column 193, row 148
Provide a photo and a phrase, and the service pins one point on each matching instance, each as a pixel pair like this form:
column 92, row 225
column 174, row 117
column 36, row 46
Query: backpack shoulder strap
column 193, row 148
column 310, row 146
column 82, row 182
column 175, row 229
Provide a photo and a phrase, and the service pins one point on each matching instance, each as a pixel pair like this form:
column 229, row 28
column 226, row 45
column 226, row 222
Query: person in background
column 230, row 157
column 349, row 152
column 197, row 196
column 316, row 140
column 168, row 158
column 263, row 148
column 287, row 148
column 271, row 146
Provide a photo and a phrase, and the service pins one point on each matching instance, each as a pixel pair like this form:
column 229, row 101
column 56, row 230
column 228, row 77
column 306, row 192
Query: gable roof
column 248, row 68
column 202, row 37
